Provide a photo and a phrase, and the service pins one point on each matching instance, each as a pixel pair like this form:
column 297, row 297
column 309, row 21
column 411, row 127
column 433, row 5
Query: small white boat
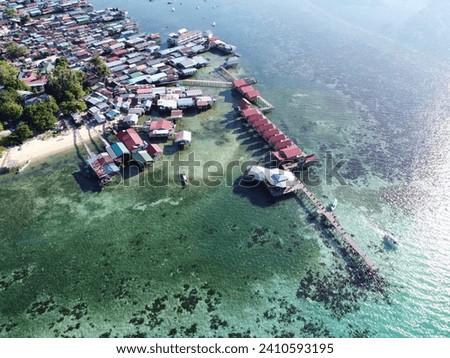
column 390, row 240
column 22, row 168
column 183, row 180
column 332, row 205
column 173, row 9
column 214, row 23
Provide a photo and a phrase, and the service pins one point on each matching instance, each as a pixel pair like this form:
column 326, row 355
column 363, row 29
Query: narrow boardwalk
column 100, row 135
column 334, row 222
column 80, row 138
column 205, row 83
column 265, row 105
column 229, row 74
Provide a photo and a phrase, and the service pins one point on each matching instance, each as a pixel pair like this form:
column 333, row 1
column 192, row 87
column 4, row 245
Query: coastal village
column 145, row 75
column 137, row 66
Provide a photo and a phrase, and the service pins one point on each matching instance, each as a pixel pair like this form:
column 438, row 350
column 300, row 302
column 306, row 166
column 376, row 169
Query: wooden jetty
column 100, row 135
column 334, row 222
column 227, row 73
column 263, row 104
column 80, row 138
column 206, row 83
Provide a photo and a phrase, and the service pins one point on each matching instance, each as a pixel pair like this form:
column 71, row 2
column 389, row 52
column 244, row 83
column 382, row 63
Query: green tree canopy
column 73, row 106
column 8, row 77
column 98, row 67
column 24, row 19
column 9, row 96
column 12, row 139
column 2, row 150
column 23, row 131
column 62, row 62
column 10, row 12
column 8, row 73
column 14, row 50
column 10, row 112
column 41, row 116
column 64, row 84
column 1, row 126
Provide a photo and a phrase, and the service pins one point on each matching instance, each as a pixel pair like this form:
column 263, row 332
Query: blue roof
column 120, row 149
column 111, row 168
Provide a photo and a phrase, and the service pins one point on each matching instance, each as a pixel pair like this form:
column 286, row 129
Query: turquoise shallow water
column 225, row 262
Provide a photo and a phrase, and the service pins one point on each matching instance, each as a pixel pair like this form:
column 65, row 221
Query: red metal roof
column 153, row 149
column 161, row 124
column 252, row 94
column 246, row 89
column 244, row 103
column 250, row 112
column 271, row 133
column 266, row 127
column 120, row 52
column 262, row 123
column 310, row 158
column 277, row 138
column 176, row 113
column 99, row 162
column 283, row 144
column 292, row 152
column 278, row 156
column 239, row 83
column 81, row 53
column 130, row 139
column 255, row 117
column 144, row 90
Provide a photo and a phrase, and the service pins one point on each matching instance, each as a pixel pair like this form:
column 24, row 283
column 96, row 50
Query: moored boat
column 332, row 205
column 183, row 180
column 390, row 240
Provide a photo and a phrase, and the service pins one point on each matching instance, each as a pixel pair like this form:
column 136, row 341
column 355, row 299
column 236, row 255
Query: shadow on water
column 242, row 133
column 255, row 193
column 131, row 170
column 94, row 143
column 85, row 183
column 171, row 149
column 228, row 96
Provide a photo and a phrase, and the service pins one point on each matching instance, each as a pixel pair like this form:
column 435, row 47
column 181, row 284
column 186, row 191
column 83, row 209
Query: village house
column 131, row 139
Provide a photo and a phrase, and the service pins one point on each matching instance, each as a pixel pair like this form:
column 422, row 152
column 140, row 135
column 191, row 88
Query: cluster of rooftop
column 286, row 153
column 73, row 29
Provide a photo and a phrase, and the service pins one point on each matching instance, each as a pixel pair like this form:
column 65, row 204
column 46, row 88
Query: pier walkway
column 80, row 138
column 205, row 83
column 334, row 222
column 100, row 135
column 263, row 104
column 228, row 73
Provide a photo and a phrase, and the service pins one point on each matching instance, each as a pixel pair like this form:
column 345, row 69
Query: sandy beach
column 39, row 147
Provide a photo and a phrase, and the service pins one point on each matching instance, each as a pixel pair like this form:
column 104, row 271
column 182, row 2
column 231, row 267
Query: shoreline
column 38, row 148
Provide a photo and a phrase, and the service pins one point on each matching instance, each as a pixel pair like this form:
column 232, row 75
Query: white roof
column 276, row 177
column 131, row 118
column 167, row 103
column 185, row 136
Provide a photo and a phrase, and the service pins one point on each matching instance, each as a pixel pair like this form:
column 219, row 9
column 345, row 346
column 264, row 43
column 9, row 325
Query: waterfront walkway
column 332, row 220
column 205, row 83
column 80, row 138
column 263, row 104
